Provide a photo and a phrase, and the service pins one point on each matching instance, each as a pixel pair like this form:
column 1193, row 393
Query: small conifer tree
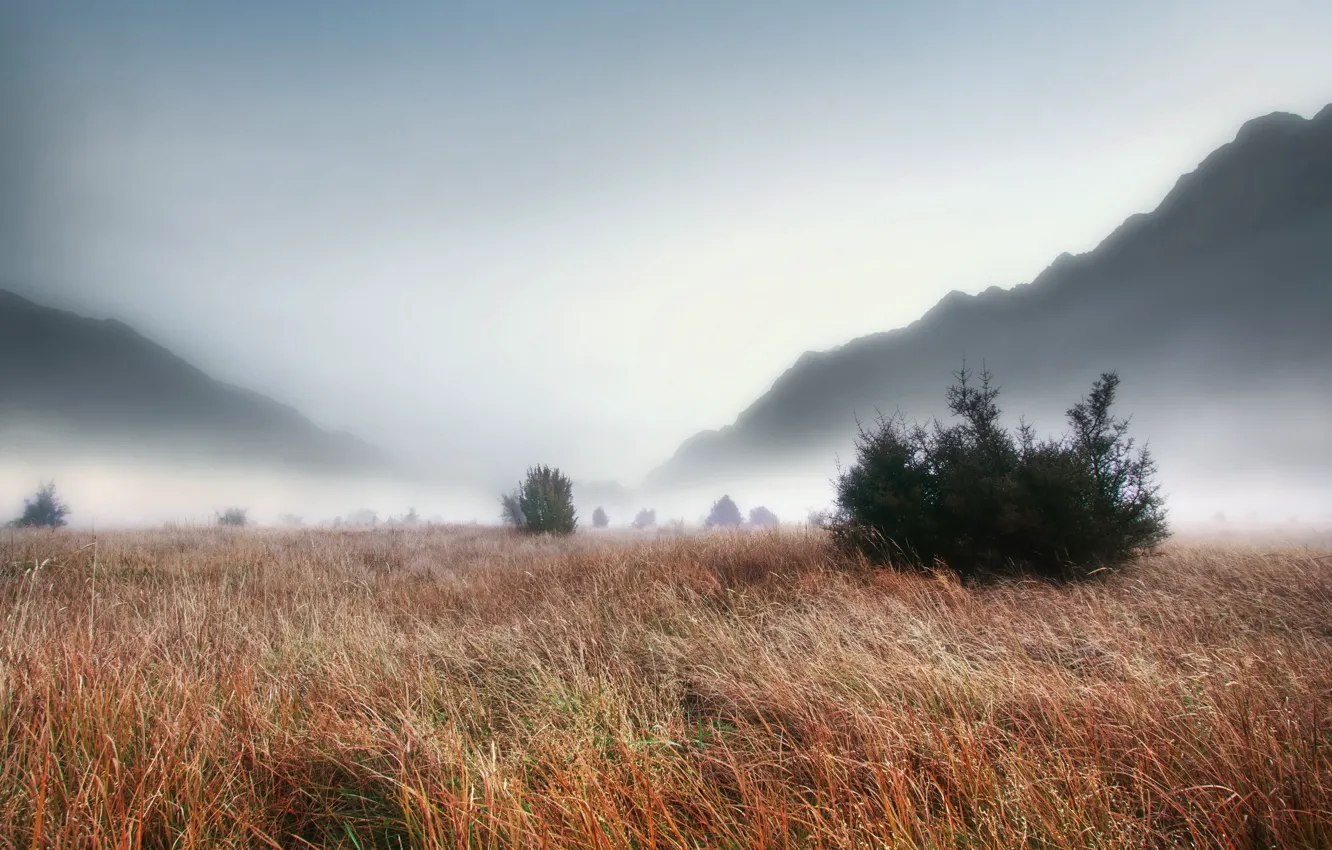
column 599, row 518
column 542, row 503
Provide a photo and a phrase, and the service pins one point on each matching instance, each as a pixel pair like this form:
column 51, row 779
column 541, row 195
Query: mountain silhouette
column 86, row 384
column 1215, row 308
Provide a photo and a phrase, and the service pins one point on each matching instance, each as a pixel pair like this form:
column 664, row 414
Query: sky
column 488, row 234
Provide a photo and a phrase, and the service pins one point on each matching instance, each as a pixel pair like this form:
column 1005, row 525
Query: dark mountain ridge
column 1222, row 293
column 100, row 384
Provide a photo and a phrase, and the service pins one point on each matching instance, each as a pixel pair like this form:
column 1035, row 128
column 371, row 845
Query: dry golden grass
column 467, row 688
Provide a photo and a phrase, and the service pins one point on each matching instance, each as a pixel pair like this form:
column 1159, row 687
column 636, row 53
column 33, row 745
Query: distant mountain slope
column 1218, row 302
column 102, row 384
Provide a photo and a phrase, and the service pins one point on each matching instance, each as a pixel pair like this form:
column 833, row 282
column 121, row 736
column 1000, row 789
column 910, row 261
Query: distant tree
column 291, row 520
column 645, row 519
column 599, row 518
column 980, row 499
column 43, row 510
column 542, row 503
column 819, row 518
column 761, row 516
column 233, row 518
column 363, row 517
column 511, row 509
column 724, row 514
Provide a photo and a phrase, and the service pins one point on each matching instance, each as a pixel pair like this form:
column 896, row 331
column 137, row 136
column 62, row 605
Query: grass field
column 468, row 688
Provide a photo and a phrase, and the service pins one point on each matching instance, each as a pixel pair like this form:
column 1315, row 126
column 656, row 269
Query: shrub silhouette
column 645, row 519
column 43, row 510
column 543, row 503
column 233, row 518
column 819, row 518
column 724, row 513
column 599, row 518
column 981, row 499
column 363, row 517
column 763, row 517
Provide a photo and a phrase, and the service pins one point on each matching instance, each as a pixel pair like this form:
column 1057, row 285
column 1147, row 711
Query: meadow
column 473, row 688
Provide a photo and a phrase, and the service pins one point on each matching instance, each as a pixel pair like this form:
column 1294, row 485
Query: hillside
column 98, row 384
column 1214, row 308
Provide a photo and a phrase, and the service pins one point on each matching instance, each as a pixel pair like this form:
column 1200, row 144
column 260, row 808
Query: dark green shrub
column 43, row 510
column 980, row 499
column 724, row 514
column 543, row 503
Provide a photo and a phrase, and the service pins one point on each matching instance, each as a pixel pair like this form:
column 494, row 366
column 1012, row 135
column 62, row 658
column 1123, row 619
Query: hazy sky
column 496, row 233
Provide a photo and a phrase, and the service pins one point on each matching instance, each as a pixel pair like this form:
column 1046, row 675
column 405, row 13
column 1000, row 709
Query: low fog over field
column 118, row 494
column 113, row 493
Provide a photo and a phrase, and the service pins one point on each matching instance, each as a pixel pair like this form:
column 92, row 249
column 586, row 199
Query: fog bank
column 117, row 494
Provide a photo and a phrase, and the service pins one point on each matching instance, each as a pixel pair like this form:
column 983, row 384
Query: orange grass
column 467, row 688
